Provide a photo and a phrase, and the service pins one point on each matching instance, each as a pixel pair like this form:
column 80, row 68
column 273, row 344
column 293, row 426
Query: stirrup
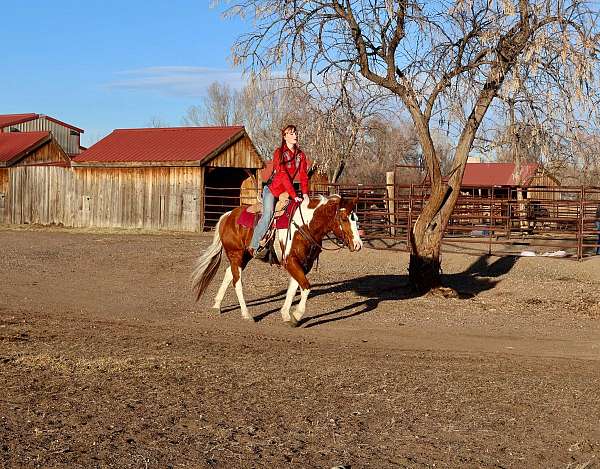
column 260, row 253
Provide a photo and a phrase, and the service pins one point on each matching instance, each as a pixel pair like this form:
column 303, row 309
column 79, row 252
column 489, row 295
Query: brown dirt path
column 105, row 361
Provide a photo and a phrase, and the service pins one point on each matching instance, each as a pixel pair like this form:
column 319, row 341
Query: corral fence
column 542, row 220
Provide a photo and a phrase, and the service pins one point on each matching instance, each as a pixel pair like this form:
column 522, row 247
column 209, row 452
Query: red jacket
column 285, row 169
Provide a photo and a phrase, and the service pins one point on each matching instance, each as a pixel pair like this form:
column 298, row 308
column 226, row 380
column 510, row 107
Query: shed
column 24, row 149
column 66, row 135
column 180, row 178
column 480, row 178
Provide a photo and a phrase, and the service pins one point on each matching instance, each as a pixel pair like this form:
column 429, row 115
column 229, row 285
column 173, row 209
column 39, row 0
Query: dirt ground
column 105, row 361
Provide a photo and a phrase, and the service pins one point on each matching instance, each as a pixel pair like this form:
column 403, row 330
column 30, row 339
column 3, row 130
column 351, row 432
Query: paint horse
column 296, row 248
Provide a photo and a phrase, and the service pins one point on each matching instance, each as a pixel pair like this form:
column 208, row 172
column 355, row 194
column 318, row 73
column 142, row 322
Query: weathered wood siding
column 249, row 192
column 542, row 179
column 51, row 152
column 150, row 198
column 4, row 218
column 67, row 138
column 241, row 154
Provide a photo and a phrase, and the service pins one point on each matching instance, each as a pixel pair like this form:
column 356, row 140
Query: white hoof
column 297, row 315
column 291, row 322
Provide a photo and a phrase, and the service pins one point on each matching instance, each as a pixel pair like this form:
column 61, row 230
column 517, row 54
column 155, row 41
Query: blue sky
column 106, row 64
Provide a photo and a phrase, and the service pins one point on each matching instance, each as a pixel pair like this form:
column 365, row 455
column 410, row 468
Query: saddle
column 279, row 205
column 284, row 208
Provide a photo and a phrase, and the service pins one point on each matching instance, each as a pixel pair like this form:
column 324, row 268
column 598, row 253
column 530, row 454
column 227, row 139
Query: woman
column 288, row 161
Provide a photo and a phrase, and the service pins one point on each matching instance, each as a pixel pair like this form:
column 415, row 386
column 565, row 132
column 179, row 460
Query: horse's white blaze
column 302, row 216
column 223, row 288
column 358, row 244
column 289, row 298
column 240, row 295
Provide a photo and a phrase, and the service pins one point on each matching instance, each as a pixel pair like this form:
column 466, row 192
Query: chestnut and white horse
column 297, row 248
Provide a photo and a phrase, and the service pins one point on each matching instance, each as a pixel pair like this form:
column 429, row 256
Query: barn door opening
column 221, row 192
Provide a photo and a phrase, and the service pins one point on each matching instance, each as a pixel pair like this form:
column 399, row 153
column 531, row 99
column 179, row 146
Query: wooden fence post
column 389, row 180
column 580, row 223
column 409, row 220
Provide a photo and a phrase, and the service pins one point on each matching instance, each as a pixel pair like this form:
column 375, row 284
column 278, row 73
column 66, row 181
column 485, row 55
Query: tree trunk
column 424, row 270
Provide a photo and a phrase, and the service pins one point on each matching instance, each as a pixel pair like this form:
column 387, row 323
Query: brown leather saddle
column 279, row 205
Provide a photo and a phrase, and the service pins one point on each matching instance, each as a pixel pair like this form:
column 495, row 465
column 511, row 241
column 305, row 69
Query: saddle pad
column 283, row 221
column 248, row 219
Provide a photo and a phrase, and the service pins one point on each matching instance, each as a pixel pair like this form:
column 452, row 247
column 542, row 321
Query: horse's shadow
column 480, row 276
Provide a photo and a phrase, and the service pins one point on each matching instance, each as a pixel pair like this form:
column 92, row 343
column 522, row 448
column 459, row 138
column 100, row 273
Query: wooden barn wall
column 239, row 155
column 545, row 181
column 4, row 195
column 250, row 191
column 40, row 194
column 150, row 198
column 51, row 152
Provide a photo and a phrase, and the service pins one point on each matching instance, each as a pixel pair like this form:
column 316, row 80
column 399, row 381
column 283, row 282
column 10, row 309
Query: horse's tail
column 208, row 263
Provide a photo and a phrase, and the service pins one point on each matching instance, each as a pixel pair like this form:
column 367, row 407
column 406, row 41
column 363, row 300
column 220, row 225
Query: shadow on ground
column 480, row 276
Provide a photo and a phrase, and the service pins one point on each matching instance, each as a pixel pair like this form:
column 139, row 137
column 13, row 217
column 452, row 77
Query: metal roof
column 497, row 174
column 13, row 119
column 171, row 144
column 12, row 145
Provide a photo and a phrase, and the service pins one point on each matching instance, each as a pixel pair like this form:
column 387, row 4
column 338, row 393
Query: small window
column 14, row 129
column 74, row 133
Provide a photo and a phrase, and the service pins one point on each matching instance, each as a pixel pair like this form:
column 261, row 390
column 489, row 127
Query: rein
column 310, row 238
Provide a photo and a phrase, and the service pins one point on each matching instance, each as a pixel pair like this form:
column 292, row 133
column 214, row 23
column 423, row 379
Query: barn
column 480, row 179
column 28, row 140
column 164, row 178
column 66, row 135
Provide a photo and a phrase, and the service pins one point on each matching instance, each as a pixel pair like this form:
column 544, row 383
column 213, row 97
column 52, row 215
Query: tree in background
column 446, row 61
column 331, row 127
column 156, row 122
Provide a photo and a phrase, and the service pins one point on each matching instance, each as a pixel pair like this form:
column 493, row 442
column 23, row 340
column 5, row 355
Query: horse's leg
column 298, row 278
column 221, row 293
column 301, row 308
column 236, row 271
column 289, row 298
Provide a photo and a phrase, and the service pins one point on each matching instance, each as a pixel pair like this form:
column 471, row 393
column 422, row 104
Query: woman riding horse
column 288, row 161
column 296, row 247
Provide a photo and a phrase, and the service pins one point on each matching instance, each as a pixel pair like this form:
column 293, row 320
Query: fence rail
column 497, row 221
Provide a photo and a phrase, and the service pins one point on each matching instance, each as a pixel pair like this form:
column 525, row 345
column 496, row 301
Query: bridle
column 310, row 238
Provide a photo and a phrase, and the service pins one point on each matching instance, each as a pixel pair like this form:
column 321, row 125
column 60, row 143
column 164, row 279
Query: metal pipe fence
column 494, row 220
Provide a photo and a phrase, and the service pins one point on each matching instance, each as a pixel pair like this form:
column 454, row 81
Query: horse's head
column 345, row 224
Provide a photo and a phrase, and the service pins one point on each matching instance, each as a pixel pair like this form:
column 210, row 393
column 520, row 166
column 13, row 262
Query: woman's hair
column 283, row 131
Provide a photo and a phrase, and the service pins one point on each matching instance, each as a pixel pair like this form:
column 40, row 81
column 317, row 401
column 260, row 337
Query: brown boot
column 260, row 253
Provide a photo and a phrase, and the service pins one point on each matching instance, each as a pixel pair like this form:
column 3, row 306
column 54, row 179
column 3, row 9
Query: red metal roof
column 159, row 145
column 497, row 174
column 16, row 143
column 12, row 119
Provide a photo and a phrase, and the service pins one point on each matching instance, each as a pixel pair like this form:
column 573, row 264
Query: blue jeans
column 261, row 228
column 598, row 240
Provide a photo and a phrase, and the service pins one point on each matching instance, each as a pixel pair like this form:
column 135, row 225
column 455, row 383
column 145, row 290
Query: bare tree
column 220, row 107
column 445, row 60
column 331, row 127
column 157, row 123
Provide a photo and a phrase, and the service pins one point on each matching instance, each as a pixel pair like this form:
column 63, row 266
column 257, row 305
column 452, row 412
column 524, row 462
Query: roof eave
column 227, row 143
column 132, row 164
column 19, row 156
